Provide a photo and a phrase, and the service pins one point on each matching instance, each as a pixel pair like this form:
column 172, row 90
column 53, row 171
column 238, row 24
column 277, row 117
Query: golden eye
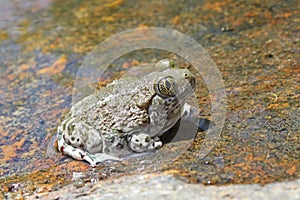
column 166, row 87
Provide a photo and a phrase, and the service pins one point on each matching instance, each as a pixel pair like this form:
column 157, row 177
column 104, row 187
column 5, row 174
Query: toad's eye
column 166, row 87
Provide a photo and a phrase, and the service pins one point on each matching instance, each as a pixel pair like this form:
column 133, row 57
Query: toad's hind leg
column 79, row 154
column 75, row 153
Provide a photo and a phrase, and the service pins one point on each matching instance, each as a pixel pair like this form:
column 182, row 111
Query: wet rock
column 157, row 186
column 254, row 44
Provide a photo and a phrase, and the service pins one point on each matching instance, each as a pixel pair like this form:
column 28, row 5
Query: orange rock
column 292, row 170
column 3, row 35
column 115, row 3
column 286, row 15
column 175, row 20
column 2, row 132
column 142, row 26
column 9, row 151
column 277, row 106
column 172, row 171
column 126, row 65
column 24, row 67
column 78, row 166
column 252, row 14
column 56, row 68
column 292, row 70
column 135, row 63
column 108, row 19
column 216, row 6
column 11, row 77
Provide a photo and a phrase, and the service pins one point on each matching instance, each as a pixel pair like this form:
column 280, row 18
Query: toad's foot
column 79, row 154
column 190, row 114
column 142, row 142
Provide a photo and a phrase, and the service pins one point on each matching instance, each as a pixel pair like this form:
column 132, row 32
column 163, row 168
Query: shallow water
column 254, row 44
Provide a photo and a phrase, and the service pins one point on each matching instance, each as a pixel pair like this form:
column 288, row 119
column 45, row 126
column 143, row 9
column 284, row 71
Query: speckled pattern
column 255, row 45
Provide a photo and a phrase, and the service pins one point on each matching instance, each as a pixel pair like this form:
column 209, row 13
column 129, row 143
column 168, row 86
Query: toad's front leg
column 141, row 142
column 190, row 114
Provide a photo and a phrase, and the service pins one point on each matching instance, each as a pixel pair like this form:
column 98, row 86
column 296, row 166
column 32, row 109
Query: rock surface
column 166, row 187
column 255, row 45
